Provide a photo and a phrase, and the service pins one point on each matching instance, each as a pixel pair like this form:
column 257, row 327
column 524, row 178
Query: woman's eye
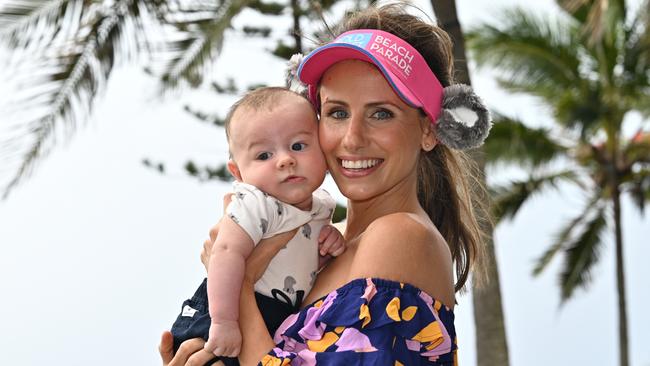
column 263, row 156
column 338, row 114
column 298, row 146
column 382, row 114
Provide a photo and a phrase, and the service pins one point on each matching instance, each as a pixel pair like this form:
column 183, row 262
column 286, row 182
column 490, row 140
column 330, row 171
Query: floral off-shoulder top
column 368, row 322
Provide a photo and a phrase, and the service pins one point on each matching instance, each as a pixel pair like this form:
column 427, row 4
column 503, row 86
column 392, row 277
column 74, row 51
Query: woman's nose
column 286, row 160
column 354, row 137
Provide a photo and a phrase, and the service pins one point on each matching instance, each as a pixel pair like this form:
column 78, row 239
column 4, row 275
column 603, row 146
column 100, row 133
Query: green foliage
column 284, row 51
column 638, row 187
column 511, row 141
column 340, row 213
column 160, row 167
column 199, row 40
column 74, row 49
column 539, row 58
column 582, row 253
column 257, row 31
column 509, row 199
column 207, row 173
column 212, row 119
column 230, row 87
column 268, row 8
column 590, row 68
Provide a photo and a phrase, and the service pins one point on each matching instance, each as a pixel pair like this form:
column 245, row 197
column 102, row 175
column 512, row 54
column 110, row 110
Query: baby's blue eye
column 298, row 146
column 263, row 156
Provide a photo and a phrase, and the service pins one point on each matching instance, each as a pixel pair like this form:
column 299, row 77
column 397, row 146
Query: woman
column 385, row 130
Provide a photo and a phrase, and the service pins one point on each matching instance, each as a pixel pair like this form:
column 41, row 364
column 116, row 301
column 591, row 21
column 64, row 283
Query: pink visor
column 402, row 65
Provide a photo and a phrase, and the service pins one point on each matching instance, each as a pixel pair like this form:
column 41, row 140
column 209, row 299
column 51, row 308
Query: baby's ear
column 234, row 170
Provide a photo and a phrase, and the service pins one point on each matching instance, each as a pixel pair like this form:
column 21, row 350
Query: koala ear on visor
column 464, row 121
column 291, row 79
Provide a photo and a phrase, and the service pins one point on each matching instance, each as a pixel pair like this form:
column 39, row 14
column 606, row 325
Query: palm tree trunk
column 447, row 18
column 297, row 32
column 620, row 279
column 491, row 343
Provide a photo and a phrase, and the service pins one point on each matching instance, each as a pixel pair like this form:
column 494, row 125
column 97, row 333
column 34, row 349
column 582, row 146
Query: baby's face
column 277, row 151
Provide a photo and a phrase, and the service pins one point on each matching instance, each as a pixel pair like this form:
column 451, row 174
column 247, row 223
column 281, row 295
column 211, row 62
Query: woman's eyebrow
column 381, row 103
column 371, row 104
column 335, row 101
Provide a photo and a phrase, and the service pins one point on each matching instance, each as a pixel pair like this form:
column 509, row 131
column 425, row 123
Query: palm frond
column 582, row 253
column 635, row 79
column 64, row 87
column 637, row 149
column 598, row 17
column 638, row 185
column 508, row 199
column 513, row 142
column 581, row 109
column 538, row 56
column 199, row 40
column 562, row 239
column 35, row 24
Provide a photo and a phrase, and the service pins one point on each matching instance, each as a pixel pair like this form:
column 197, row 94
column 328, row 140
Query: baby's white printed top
column 291, row 273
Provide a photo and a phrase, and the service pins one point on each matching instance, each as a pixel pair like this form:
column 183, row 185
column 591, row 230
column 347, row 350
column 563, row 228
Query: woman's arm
column 256, row 339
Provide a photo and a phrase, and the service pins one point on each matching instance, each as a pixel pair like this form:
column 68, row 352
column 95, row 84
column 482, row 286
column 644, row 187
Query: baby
column 278, row 166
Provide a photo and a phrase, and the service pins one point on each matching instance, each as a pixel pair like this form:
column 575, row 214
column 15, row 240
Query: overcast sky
column 98, row 252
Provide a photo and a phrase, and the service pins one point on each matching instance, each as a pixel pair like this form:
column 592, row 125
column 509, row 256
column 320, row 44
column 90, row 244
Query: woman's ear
column 429, row 140
column 234, row 170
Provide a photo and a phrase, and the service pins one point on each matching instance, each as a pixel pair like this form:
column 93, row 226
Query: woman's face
column 371, row 138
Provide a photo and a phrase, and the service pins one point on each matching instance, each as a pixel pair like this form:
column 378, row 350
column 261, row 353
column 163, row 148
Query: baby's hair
column 261, row 98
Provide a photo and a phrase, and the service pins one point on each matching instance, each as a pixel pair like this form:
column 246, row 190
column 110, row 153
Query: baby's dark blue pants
column 194, row 319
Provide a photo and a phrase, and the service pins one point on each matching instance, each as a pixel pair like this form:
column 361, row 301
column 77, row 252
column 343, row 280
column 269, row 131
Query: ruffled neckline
column 380, row 282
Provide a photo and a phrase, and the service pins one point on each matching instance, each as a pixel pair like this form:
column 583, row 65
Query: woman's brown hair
column 447, row 184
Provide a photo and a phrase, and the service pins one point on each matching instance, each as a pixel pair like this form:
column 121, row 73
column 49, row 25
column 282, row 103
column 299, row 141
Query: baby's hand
column 330, row 241
column 225, row 339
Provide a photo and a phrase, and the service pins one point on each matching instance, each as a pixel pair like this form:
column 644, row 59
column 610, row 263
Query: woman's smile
column 360, row 164
column 356, row 168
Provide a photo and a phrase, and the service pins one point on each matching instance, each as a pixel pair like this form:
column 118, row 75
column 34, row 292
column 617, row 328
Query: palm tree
column 70, row 48
column 491, row 341
column 589, row 67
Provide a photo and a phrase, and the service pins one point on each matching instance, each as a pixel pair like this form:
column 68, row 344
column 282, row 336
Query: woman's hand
column 190, row 352
column 263, row 253
column 260, row 257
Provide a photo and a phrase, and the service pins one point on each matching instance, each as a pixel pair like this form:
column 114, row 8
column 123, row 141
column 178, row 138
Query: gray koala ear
column 464, row 121
column 291, row 75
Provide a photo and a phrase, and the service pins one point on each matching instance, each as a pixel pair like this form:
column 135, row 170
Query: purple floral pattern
column 368, row 322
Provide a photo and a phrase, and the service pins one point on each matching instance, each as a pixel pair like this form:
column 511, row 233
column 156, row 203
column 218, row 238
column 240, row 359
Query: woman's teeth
column 359, row 164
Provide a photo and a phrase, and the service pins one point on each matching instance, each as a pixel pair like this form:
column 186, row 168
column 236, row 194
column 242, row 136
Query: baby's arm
column 225, row 275
column 330, row 244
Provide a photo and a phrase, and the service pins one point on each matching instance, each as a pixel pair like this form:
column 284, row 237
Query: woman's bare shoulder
column 406, row 248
